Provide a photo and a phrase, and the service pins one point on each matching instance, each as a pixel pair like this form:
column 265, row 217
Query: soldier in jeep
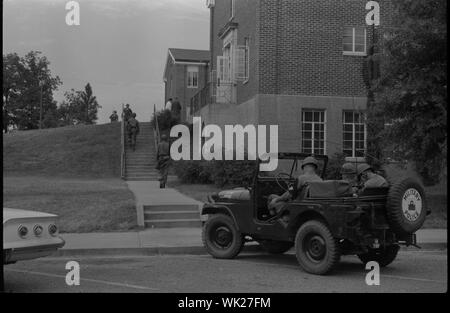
column 368, row 177
column 309, row 167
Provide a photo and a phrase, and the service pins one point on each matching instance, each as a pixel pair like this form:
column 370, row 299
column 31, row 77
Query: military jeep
column 323, row 221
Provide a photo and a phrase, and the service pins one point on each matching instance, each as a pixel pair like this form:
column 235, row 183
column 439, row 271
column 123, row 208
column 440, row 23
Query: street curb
column 194, row 250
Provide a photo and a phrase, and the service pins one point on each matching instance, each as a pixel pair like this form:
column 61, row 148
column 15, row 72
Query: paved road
column 424, row 271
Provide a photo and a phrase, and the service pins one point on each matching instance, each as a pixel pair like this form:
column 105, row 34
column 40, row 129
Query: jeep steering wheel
column 285, row 178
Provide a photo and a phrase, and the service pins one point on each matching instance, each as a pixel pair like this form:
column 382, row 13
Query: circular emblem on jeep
column 411, row 204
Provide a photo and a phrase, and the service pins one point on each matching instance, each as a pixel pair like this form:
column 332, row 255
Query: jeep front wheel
column 275, row 247
column 221, row 237
column 383, row 257
column 316, row 249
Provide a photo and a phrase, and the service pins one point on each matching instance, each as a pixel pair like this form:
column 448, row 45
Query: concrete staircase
column 156, row 208
column 171, row 215
column 140, row 164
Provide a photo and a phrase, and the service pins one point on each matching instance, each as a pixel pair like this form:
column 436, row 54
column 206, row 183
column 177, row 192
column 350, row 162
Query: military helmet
column 310, row 160
column 348, row 169
column 363, row 167
column 134, row 114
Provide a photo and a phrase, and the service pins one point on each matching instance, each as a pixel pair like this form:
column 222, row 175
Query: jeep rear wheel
column 383, row 257
column 316, row 249
column 275, row 247
column 406, row 206
column 221, row 237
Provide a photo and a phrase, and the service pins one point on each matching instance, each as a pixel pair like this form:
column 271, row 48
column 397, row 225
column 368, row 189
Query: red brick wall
column 302, row 53
column 296, row 45
column 179, row 88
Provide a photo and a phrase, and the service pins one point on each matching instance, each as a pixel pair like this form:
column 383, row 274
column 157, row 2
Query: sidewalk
column 182, row 241
column 148, row 193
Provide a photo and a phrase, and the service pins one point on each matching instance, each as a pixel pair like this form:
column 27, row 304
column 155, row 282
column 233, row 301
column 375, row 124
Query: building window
column 354, row 130
column 192, row 72
column 313, row 131
column 354, row 41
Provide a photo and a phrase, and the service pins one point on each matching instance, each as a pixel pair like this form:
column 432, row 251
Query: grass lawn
column 83, row 205
column 70, row 171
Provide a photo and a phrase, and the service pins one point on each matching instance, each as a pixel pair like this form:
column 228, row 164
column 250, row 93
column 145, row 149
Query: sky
column 120, row 46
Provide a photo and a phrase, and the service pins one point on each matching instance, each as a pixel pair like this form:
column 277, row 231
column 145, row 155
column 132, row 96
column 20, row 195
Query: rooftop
column 189, row 55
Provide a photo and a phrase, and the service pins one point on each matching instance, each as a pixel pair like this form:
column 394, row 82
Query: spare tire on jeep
column 406, row 206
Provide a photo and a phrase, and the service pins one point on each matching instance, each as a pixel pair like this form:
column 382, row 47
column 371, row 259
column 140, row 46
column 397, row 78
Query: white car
column 29, row 235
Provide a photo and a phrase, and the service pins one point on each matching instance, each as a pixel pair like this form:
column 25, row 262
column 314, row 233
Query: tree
column 409, row 109
column 25, row 80
column 78, row 107
column 90, row 104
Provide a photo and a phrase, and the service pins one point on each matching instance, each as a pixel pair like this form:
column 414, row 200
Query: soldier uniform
column 163, row 159
column 114, row 117
column 133, row 130
column 276, row 203
column 371, row 180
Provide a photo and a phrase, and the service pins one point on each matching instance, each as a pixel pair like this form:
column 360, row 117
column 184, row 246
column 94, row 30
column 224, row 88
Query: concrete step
column 173, row 223
column 141, row 179
column 171, row 215
column 171, row 207
column 142, row 174
column 136, row 175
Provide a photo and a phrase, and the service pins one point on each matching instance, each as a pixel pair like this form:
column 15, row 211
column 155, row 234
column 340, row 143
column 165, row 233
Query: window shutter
column 240, row 64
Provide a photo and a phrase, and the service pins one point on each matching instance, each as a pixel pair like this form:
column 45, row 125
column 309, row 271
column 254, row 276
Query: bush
column 235, row 173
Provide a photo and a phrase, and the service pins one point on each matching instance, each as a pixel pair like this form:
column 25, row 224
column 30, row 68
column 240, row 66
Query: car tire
column 275, row 247
column 316, row 249
column 383, row 257
column 221, row 238
column 406, row 206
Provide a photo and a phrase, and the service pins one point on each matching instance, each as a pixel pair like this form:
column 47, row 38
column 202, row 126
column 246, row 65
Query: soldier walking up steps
column 133, row 130
column 163, row 158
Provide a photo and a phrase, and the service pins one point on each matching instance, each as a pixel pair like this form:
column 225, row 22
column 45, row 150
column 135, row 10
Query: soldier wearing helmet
column 348, row 172
column 163, row 159
column 368, row 177
column 309, row 167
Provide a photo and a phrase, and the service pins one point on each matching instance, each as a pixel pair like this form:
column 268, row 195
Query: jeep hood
column 235, row 194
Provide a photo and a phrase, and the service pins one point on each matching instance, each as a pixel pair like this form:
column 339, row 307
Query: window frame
column 353, row 132
column 188, row 77
column 247, row 60
column 313, row 123
column 353, row 52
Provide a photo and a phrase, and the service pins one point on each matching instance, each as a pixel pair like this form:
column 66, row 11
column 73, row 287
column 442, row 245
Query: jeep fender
column 219, row 209
column 313, row 214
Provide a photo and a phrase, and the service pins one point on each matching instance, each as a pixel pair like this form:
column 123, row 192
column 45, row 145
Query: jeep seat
column 329, row 189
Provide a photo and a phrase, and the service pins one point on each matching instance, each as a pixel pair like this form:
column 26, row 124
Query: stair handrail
column 122, row 146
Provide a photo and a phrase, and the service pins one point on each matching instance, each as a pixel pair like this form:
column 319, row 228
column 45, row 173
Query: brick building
column 301, row 64
column 185, row 74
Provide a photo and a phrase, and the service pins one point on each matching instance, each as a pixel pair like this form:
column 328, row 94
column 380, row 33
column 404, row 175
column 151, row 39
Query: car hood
column 235, row 194
column 9, row 214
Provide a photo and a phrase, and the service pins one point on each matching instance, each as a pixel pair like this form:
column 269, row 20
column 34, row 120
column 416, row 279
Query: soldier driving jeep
column 309, row 167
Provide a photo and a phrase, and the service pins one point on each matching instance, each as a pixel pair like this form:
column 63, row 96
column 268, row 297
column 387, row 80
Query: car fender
column 219, row 209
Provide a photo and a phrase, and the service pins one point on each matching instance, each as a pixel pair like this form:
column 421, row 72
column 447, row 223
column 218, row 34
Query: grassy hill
column 81, row 151
column 73, row 172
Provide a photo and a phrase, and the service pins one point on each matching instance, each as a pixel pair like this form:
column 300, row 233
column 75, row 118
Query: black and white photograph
column 225, row 152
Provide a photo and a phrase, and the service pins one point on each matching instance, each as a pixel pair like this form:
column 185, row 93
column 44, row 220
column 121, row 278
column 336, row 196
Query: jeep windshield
column 290, row 163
